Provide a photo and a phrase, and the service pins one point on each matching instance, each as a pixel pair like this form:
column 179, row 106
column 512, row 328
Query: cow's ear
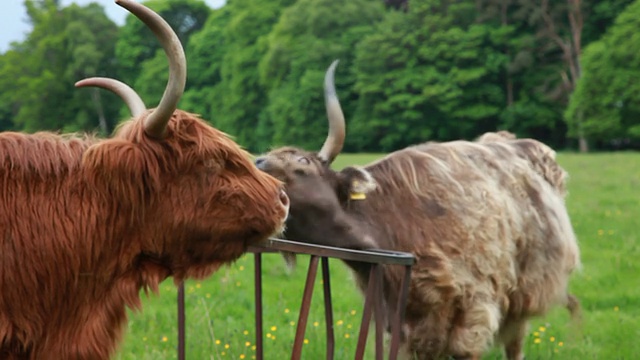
column 357, row 182
column 122, row 169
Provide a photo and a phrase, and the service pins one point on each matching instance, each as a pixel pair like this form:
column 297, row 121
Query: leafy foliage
column 608, row 97
column 409, row 72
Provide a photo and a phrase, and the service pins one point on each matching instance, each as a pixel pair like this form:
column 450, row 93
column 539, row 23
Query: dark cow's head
column 319, row 194
column 196, row 190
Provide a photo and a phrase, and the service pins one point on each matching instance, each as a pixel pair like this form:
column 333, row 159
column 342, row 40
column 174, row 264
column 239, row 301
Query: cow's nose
column 260, row 162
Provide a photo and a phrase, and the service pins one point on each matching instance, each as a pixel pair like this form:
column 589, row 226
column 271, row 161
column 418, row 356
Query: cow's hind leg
column 513, row 334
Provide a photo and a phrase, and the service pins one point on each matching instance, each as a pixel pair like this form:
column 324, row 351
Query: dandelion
column 247, row 344
column 560, row 343
column 615, row 308
column 241, row 356
column 246, row 332
column 217, row 342
column 226, row 346
column 241, row 267
column 542, row 329
column 600, row 232
column 552, row 339
column 238, row 283
column 273, row 337
column 340, row 322
column 144, row 338
column 316, row 323
column 346, row 336
column 253, row 348
column 198, row 286
column 348, row 326
column 353, row 312
column 306, row 341
column 223, row 353
column 208, row 296
column 536, row 341
column 273, row 328
column 292, row 323
column 269, row 335
column 286, row 311
column 165, row 339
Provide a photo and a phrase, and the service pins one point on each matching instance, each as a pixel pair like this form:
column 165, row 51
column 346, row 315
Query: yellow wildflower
column 542, row 329
column 306, row 341
column 241, row 267
column 615, row 308
column 340, row 322
column 241, row 356
column 347, row 336
column 247, row 344
column 316, row 323
column 165, row 339
column 198, row 286
column 552, row 339
column 273, row 328
column 226, row 346
column 286, row 311
column 536, row 340
column 560, row 343
column 268, row 335
column 246, row 332
column 353, row 312
column 292, row 323
column 217, row 342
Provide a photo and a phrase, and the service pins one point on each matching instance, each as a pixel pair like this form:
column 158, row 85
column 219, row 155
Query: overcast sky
column 13, row 25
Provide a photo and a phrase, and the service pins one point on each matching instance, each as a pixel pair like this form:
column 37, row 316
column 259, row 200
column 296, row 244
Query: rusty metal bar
column 369, row 256
column 296, row 353
column 181, row 323
column 328, row 309
column 366, row 317
column 377, row 309
column 373, row 297
column 257, row 274
column 396, row 327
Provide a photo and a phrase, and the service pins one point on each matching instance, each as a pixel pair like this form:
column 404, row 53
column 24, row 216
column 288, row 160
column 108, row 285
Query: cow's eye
column 303, row 160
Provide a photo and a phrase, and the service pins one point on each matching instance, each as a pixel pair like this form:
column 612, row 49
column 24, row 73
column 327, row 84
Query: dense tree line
column 410, row 71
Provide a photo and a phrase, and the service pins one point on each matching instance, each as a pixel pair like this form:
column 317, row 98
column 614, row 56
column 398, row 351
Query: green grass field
column 604, row 203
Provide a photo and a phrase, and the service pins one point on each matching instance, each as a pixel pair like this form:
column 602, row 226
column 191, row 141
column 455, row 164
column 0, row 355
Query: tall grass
column 604, row 203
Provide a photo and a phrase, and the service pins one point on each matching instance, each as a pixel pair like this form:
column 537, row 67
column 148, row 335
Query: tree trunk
column 102, row 121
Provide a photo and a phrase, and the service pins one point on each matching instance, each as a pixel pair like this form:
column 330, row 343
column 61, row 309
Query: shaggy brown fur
column 491, row 234
column 86, row 223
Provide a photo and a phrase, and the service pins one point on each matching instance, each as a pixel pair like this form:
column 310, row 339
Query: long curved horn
column 156, row 123
column 130, row 97
column 335, row 139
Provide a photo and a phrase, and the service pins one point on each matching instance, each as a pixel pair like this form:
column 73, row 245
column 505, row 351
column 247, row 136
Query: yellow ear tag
column 357, row 196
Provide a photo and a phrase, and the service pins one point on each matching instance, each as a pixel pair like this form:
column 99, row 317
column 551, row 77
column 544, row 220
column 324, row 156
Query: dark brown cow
column 85, row 224
column 492, row 237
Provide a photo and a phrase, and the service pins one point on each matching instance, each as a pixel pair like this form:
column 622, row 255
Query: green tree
column 239, row 98
column 608, row 95
column 308, row 37
column 37, row 76
column 432, row 73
